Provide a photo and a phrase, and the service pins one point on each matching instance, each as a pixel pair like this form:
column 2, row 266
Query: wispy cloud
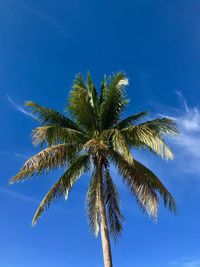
column 42, row 16
column 25, row 198
column 190, row 119
column 15, row 154
column 18, row 196
column 188, row 143
column 19, row 107
column 186, row 263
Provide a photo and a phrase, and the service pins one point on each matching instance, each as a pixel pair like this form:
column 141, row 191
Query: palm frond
column 163, row 126
column 80, row 106
column 63, row 186
column 103, row 90
column 57, row 191
column 48, row 159
column 142, row 136
column 52, row 135
column 131, row 119
column 143, row 184
column 114, row 100
column 52, row 117
column 93, row 205
column 92, row 93
column 118, row 143
column 111, row 196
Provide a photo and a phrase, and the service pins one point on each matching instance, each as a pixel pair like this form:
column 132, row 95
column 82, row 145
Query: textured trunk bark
column 104, row 224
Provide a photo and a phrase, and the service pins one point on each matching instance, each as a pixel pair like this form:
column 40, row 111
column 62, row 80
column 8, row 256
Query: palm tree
column 93, row 135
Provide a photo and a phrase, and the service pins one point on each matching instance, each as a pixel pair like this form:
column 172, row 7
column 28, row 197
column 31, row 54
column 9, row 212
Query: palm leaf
column 163, row 126
column 57, row 191
column 131, row 119
column 49, row 116
column 53, row 135
column 93, row 205
column 118, row 142
column 63, row 186
column 80, row 106
column 48, row 159
column 143, row 184
column 103, row 90
column 114, row 100
column 143, row 136
column 111, row 196
column 92, row 93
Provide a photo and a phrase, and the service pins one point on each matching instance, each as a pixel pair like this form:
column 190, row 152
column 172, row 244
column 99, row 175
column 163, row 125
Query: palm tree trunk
column 103, row 223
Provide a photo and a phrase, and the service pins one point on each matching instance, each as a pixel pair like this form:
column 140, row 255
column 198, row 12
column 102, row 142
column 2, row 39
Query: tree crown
column 90, row 132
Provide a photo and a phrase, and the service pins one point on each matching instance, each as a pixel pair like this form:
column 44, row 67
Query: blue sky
column 43, row 45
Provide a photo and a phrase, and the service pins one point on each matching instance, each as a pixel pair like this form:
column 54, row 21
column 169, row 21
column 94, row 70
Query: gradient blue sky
column 43, row 44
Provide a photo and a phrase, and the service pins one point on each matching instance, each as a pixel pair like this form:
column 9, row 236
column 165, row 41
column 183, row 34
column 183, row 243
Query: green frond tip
column 92, row 92
column 114, row 100
column 51, row 117
column 103, row 90
column 80, row 105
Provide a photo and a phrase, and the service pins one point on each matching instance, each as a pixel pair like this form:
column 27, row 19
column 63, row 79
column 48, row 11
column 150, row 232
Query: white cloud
column 21, row 156
column 18, row 196
column 25, row 198
column 187, row 145
column 190, row 144
column 19, row 107
column 15, row 154
column 185, row 263
column 190, row 119
column 42, row 16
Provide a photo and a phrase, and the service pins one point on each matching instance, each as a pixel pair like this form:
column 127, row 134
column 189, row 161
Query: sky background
column 43, row 45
